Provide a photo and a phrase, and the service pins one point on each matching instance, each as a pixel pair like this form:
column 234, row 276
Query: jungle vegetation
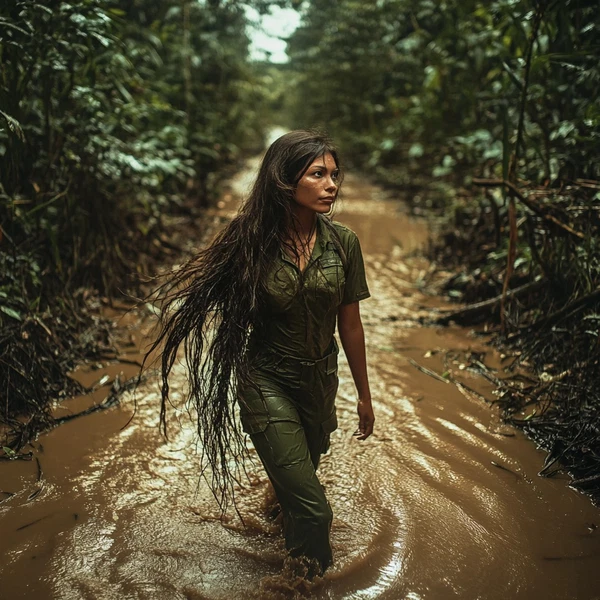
column 115, row 114
column 489, row 111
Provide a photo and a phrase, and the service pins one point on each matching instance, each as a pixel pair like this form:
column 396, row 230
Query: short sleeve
column 356, row 287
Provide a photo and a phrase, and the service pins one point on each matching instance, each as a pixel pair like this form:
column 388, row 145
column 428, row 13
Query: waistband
column 270, row 351
column 276, row 358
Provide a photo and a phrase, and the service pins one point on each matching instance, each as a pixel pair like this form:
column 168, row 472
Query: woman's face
column 317, row 189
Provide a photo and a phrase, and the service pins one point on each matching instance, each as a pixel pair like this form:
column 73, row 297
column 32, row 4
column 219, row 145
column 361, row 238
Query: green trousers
column 288, row 409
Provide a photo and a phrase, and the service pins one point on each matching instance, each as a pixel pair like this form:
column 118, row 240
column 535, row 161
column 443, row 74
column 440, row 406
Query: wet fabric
column 289, row 411
column 288, row 404
column 300, row 311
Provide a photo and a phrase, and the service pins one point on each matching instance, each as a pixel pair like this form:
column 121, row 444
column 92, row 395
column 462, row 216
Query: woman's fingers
column 366, row 421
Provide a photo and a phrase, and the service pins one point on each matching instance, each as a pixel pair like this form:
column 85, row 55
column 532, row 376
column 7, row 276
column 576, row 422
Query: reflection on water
column 442, row 502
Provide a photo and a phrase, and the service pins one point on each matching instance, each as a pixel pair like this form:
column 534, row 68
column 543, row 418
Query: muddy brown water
column 442, row 502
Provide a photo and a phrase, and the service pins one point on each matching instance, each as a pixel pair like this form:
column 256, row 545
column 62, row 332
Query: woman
column 256, row 313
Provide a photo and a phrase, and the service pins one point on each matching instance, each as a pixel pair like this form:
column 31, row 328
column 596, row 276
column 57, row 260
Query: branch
column 528, row 203
column 568, row 310
column 541, row 6
column 487, row 306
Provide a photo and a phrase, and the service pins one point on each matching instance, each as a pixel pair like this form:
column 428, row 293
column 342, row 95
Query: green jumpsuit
column 288, row 405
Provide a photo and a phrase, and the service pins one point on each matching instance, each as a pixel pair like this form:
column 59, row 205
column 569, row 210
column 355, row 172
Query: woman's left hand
column 366, row 419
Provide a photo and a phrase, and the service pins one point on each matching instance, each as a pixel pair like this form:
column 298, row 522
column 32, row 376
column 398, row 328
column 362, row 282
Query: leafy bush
column 112, row 114
column 412, row 84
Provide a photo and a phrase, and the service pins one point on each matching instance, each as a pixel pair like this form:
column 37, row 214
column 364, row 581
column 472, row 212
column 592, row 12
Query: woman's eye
column 318, row 173
column 335, row 175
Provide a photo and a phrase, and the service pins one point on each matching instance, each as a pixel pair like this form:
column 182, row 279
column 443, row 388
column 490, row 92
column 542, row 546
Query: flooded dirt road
column 442, row 502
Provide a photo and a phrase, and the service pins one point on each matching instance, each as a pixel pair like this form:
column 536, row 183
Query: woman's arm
column 352, row 337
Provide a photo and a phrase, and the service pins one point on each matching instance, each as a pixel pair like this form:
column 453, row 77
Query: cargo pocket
column 331, row 365
column 254, row 414
column 253, row 423
column 328, row 426
column 283, row 442
column 329, row 381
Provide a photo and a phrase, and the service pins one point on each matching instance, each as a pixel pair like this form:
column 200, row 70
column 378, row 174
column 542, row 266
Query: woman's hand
column 366, row 419
column 353, row 341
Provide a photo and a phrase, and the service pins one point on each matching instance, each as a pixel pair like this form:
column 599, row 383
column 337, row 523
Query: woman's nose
column 331, row 186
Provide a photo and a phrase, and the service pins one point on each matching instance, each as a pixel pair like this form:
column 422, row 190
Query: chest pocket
column 330, row 277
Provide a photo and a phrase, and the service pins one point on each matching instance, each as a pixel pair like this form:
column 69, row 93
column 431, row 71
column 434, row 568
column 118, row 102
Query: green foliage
column 112, row 114
column 437, row 85
column 435, row 93
column 106, row 111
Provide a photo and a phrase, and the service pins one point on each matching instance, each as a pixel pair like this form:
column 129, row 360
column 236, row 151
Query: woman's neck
column 302, row 237
column 305, row 222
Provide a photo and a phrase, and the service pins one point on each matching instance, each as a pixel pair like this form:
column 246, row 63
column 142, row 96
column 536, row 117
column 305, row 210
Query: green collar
column 321, row 244
column 324, row 240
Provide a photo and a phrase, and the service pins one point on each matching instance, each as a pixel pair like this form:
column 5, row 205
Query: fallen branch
column 528, row 203
column 588, row 183
column 16, row 456
column 487, row 306
column 465, row 390
column 112, row 399
column 427, row 371
column 582, row 482
column 566, row 311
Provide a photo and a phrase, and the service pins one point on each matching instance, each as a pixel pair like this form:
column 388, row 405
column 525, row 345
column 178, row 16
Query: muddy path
column 442, row 502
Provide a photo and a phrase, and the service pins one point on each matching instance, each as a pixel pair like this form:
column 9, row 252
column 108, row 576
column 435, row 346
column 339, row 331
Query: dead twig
column 427, row 371
column 9, row 495
column 487, row 306
column 528, row 203
column 566, row 311
column 499, row 466
column 112, row 399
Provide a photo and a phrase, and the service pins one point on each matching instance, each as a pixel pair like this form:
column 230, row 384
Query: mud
column 442, row 502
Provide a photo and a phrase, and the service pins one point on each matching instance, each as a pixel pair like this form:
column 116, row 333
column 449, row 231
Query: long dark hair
column 213, row 302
